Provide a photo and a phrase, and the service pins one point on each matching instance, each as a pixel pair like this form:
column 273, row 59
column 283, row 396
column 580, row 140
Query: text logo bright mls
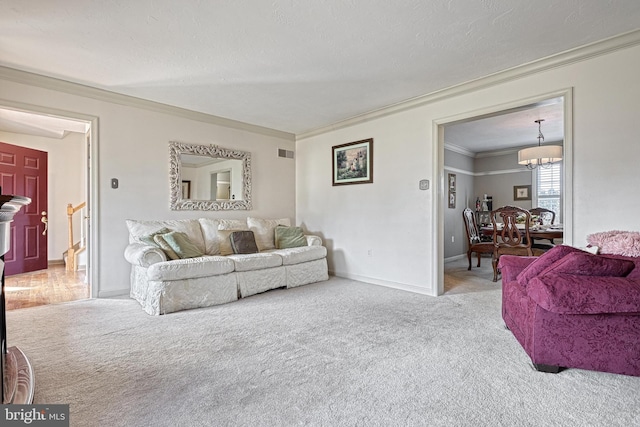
column 36, row 415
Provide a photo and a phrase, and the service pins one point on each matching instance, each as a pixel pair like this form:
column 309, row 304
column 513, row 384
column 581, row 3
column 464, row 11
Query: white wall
column 133, row 147
column 66, row 183
column 392, row 219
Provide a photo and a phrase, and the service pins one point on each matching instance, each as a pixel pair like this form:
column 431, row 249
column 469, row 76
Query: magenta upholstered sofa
column 572, row 309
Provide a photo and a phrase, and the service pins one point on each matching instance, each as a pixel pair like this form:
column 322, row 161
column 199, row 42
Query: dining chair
column 508, row 238
column 548, row 218
column 474, row 237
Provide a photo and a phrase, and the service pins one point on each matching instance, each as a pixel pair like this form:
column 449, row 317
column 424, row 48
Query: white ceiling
column 289, row 65
column 508, row 129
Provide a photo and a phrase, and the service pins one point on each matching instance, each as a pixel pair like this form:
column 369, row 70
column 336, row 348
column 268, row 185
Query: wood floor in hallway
column 53, row 285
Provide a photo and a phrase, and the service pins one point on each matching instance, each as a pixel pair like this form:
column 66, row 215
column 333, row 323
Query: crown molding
column 458, row 149
column 571, row 56
column 485, row 173
column 33, row 79
column 497, row 153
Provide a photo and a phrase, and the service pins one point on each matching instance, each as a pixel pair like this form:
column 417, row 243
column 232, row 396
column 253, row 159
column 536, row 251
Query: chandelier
column 542, row 155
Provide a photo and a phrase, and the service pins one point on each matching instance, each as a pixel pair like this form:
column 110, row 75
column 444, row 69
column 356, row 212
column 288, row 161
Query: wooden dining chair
column 548, row 216
column 508, row 238
column 474, row 238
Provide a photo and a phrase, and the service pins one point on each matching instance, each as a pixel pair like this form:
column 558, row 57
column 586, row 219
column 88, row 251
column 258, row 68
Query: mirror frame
column 177, row 203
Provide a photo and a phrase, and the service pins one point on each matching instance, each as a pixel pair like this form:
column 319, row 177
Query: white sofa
column 162, row 285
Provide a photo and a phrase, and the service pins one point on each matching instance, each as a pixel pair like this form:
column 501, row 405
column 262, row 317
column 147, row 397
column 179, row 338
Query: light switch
column 114, row 183
column 424, row 184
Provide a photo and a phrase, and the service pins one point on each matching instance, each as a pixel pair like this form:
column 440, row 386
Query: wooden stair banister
column 74, row 249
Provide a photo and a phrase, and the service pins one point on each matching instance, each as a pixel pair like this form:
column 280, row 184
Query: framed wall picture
column 451, row 179
column 521, row 192
column 353, row 163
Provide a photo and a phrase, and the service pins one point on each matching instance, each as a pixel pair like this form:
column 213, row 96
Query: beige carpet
column 337, row 353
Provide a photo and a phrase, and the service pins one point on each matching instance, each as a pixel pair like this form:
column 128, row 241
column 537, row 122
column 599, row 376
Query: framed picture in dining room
column 352, row 163
column 451, row 179
column 521, row 192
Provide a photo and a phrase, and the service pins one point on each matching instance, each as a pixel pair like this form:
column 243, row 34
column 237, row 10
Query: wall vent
column 288, row 154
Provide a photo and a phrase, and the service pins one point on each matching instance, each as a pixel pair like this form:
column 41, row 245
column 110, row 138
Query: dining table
column 537, row 232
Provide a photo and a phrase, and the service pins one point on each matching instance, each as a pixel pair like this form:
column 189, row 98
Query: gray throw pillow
column 243, row 242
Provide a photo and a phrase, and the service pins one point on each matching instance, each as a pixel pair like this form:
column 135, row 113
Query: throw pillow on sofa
column 243, row 242
column 171, row 254
column 180, row 244
column 150, row 238
column 543, row 262
column 264, row 231
column 289, row 237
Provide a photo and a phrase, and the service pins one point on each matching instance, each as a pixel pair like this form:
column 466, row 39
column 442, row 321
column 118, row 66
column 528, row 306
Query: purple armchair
column 571, row 309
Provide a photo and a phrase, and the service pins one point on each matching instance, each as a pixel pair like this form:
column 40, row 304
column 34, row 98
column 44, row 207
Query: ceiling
column 294, row 66
column 508, row 129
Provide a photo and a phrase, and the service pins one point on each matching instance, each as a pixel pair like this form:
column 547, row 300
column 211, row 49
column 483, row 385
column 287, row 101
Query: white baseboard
column 385, row 283
column 454, row 258
column 115, row 293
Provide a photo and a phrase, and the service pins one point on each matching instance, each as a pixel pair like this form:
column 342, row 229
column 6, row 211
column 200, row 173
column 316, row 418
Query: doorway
column 67, row 140
column 442, row 206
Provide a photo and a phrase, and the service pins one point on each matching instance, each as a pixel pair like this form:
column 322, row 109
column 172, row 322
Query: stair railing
column 72, row 252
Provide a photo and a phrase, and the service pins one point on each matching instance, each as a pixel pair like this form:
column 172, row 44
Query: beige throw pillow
column 225, row 228
column 264, row 231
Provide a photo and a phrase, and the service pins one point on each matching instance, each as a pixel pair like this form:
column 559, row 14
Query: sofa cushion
column 181, row 244
column 190, row 268
column 264, row 231
column 542, row 262
column 302, row 254
column 586, row 264
column 289, row 237
column 210, row 234
column 139, row 229
column 578, row 294
column 243, row 242
column 257, row 261
column 216, row 234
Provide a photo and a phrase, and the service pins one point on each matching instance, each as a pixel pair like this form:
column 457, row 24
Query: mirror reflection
column 209, row 177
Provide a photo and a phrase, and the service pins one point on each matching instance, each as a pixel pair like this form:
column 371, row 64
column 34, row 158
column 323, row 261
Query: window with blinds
column 549, row 188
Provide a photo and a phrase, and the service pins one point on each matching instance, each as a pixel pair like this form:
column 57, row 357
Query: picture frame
column 521, row 192
column 186, row 189
column 451, row 179
column 352, row 163
column 452, row 200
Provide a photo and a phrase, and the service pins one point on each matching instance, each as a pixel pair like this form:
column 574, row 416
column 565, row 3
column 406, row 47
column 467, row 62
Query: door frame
column 438, row 205
column 92, row 177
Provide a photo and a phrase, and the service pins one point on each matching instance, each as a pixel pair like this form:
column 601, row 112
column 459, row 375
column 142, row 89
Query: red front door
column 23, row 172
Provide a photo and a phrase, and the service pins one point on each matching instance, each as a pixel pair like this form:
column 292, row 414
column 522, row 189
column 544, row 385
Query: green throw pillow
column 159, row 240
column 181, row 245
column 289, row 237
column 149, row 239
